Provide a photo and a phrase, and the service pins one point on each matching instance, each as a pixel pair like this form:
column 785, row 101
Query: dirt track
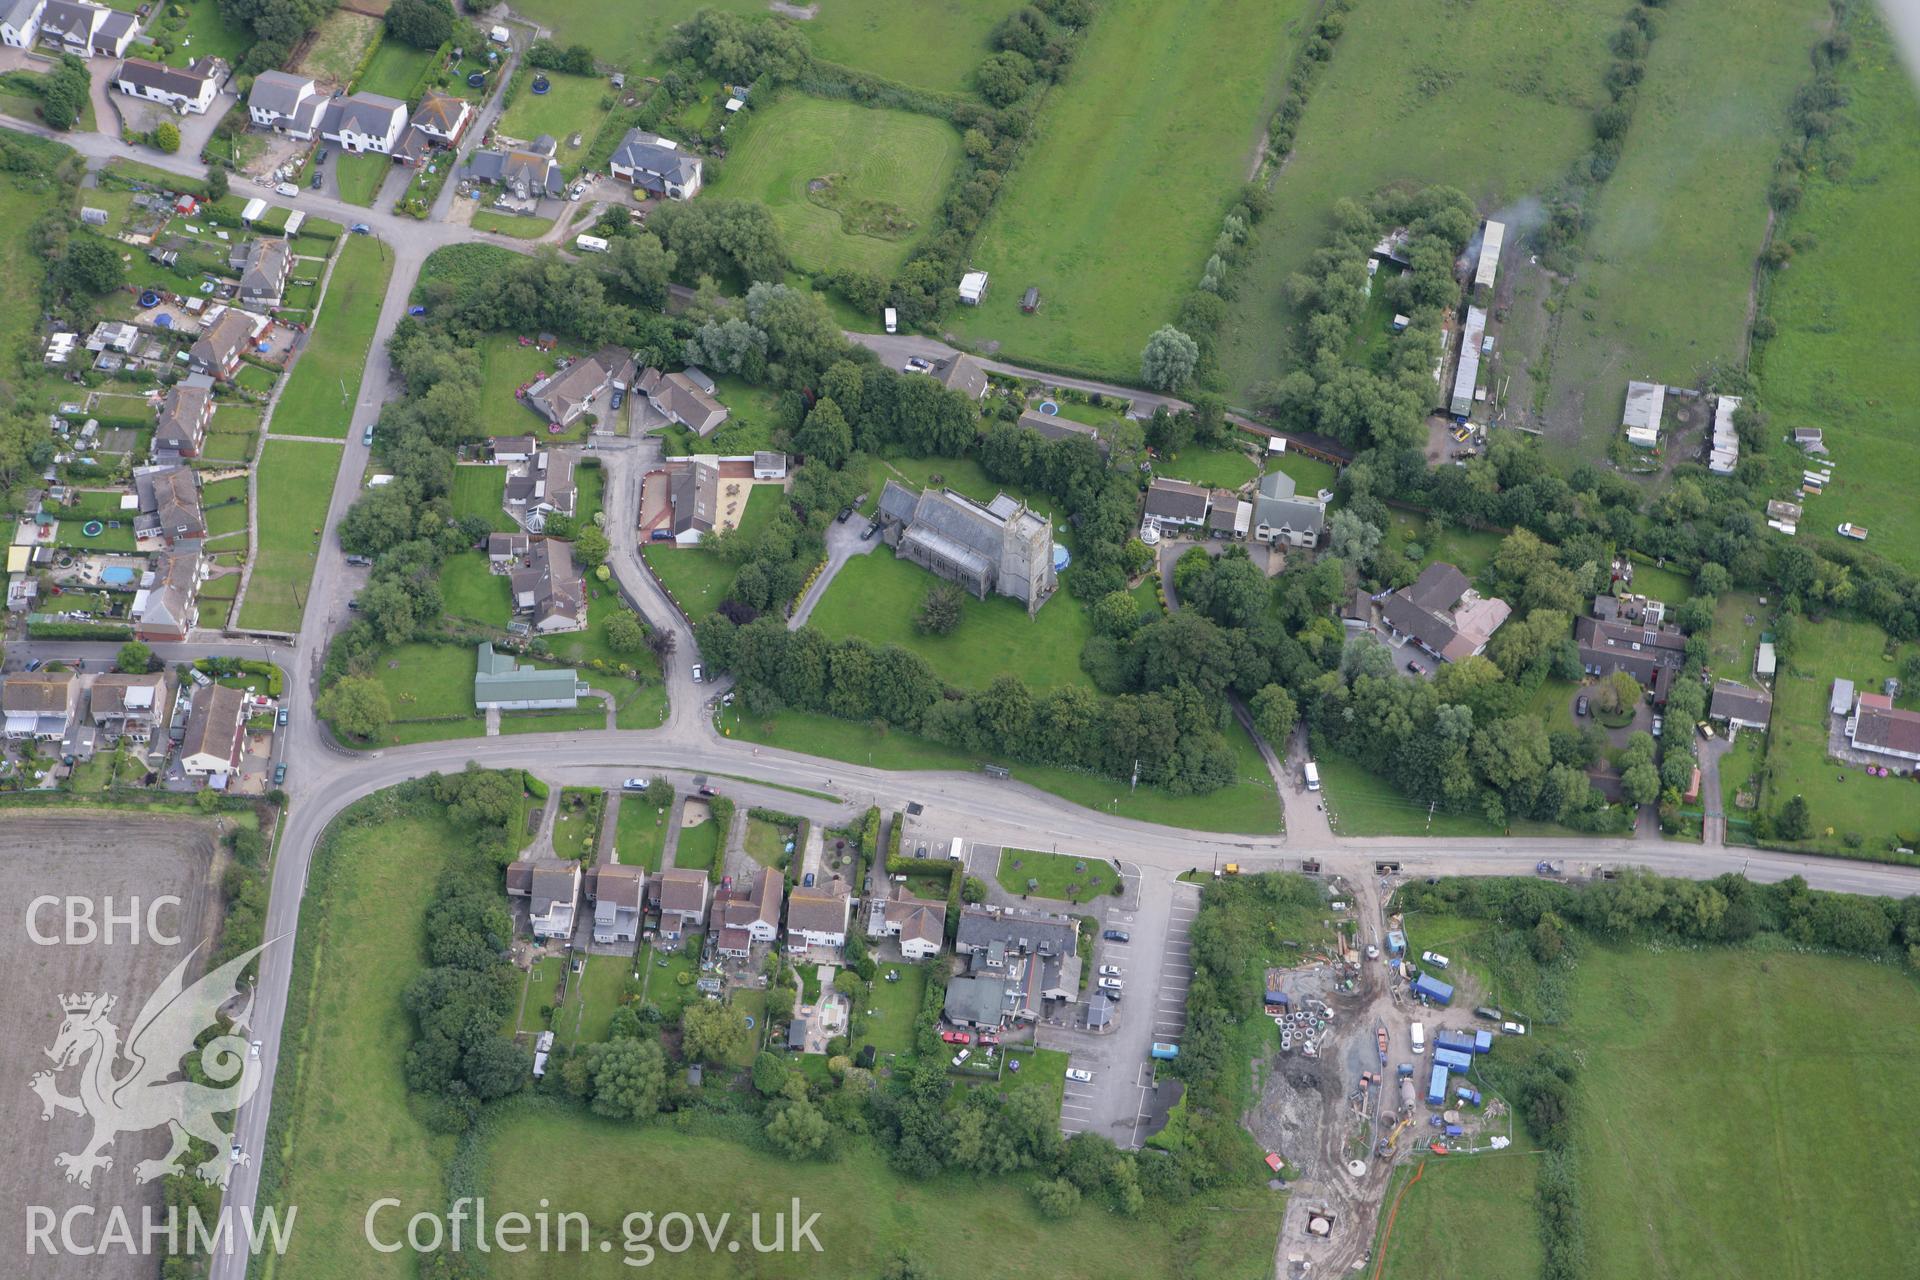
column 91, row 856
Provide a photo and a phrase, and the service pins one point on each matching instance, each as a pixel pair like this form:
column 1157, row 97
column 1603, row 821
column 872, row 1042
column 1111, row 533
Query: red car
column 956, row 1037
column 988, row 1037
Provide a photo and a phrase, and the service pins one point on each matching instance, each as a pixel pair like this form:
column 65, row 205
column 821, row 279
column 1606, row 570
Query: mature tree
column 389, row 604
column 134, row 658
column 1274, row 714
column 590, row 547
column 91, row 264
column 638, row 263
column 1168, row 360
column 1794, row 823
column 825, row 437
column 355, row 705
column 166, row 136
column 629, row 1077
column 1004, row 77
column 1618, row 693
column 710, row 1032
column 479, row 798
column 799, row 1130
column 64, row 92
column 626, row 633
column 424, row 24
column 1352, row 539
column 726, row 239
column 1056, row 1197
column 973, row 889
column 770, row 1072
column 729, row 346
column 1640, row 783
column 1116, row 614
column 495, row 1067
column 939, row 610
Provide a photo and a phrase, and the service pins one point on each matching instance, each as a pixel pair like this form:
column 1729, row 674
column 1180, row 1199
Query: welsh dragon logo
column 147, row 1095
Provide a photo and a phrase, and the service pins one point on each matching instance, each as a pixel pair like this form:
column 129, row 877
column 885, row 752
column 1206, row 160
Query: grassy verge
column 325, row 382
column 1055, row 875
column 296, row 483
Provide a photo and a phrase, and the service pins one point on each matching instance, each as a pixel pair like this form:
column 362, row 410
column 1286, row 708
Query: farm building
column 1490, row 244
column 1645, row 401
column 1723, row 453
column 1466, row 374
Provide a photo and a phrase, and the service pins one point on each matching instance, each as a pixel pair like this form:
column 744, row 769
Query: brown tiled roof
column 681, row 889
column 37, row 692
column 213, row 724
column 816, row 910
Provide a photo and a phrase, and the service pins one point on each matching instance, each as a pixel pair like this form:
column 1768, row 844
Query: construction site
column 1371, row 1063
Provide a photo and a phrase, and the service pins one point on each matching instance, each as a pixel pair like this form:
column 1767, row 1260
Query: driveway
column 843, row 544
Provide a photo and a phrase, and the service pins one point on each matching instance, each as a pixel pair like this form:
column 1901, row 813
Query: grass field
column 395, row 68
column 473, row 591
column 1410, row 94
column 1663, row 291
column 1249, row 806
column 1466, row 1219
column 1139, row 153
column 1216, row 468
column 1848, row 347
column 886, row 171
column 352, row 1138
column 932, row 49
column 325, row 382
column 572, row 104
column 1841, row 799
column 428, row 680
column 22, row 270
column 295, row 483
column 868, row 1213
column 640, row 833
column 480, row 491
column 1065, row 876
column 1360, row 803
column 877, row 596
column 343, row 39
column 1469, row 550
column 359, row 176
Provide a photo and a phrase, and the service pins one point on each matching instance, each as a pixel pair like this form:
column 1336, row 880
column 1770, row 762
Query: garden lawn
column 225, row 504
column 295, row 485
column 395, row 68
column 698, row 845
column 338, row 46
column 1411, row 94
column 1469, row 550
column 766, row 843
column 663, row 989
column 576, row 825
column 508, row 367
column 514, row 225
column 640, row 832
column 697, row 579
column 1847, row 357
column 877, row 596
column 349, row 1133
column 1063, row 876
column 885, row 170
column 592, row 999
column 234, row 433
column 473, row 591
column 428, row 681
column 1662, row 293
column 586, row 646
column 1842, row 801
column 868, row 1214
column 325, row 382
column 1249, row 806
column 1466, row 1219
column 481, row 491
column 102, row 505
column 572, row 104
column 892, row 1007
column 206, row 35
column 1215, row 468
column 1112, row 212
column 360, row 176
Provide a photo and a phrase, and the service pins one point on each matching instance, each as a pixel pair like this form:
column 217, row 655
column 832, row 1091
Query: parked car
column 282, row 717
column 1413, row 666
column 1659, row 723
column 1580, row 705
column 287, row 189
column 366, row 437
column 1117, row 935
column 1513, row 1028
column 845, row 514
column 321, row 157
column 1109, row 970
column 1112, row 984
column 962, row 1056
column 806, row 881
column 1078, row 1076
column 315, row 184
column 869, row 531
column 916, row 365
column 634, row 784
column 253, row 1050
column 36, row 664
column 1435, row 959
column 956, row 1037
column 619, row 398
column 361, row 229
column 699, row 673
column 279, row 774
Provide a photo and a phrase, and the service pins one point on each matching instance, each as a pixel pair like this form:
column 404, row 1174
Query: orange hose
column 1381, row 1262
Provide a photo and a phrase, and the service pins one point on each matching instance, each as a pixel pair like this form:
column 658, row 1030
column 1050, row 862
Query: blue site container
column 1454, row 1131
column 1396, row 942
column 1437, row 1086
column 1483, row 1042
column 1433, row 989
column 1406, row 1069
column 1455, row 1040
column 1452, row 1059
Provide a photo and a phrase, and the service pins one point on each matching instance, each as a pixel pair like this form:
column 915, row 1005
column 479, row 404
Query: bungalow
column 817, row 917
column 263, row 265
column 693, row 496
column 547, row 589
column 1877, row 727
column 129, row 707
column 680, row 895
column 616, row 893
column 676, row 397
column 226, row 337
column 1177, row 505
column 286, row 103
column 526, row 174
column 551, row 887
column 364, row 122
column 919, row 923
column 181, row 418
column 189, row 90
column 216, row 731
column 168, row 499
column 962, row 373
column 1281, row 515
column 656, row 165
column 1442, row 615
column 20, row 22
column 40, row 705
column 166, row 605
column 438, row 122
column 89, row 30
column 1651, row 654
column 499, row 681
column 564, row 395
column 1053, row 427
column 1740, row 707
column 544, row 487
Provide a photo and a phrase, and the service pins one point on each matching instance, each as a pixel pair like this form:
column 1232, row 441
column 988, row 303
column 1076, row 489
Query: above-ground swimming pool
column 117, row 575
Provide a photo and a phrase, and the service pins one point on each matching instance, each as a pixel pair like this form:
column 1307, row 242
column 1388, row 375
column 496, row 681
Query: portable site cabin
column 1483, row 1042
column 1396, row 942
column 1431, row 988
column 1454, row 1040
column 1437, row 1086
column 1452, row 1059
column 254, row 208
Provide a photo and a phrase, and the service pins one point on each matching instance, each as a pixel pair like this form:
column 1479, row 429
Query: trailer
column 1428, row 987
column 1454, row 1131
column 1468, row 1094
column 1437, row 1086
column 1453, row 1059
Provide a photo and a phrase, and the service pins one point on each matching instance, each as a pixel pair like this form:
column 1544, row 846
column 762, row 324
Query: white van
column 893, row 320
column 958, row 850
column 1419, row 1037
column 1312, row 774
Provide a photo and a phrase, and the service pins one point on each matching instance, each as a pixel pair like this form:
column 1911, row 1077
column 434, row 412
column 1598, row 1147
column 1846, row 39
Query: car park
column 1078, row 1076
column 1117, row 935
column 1435, row 959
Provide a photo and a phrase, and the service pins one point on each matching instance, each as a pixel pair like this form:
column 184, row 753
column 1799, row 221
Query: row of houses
column 69, row 26
column 79, row 710
column 1278, row 513
column 294, row 105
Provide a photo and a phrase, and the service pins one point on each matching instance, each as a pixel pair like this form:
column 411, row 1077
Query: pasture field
column 1139, row 154
column 929, row 46
column 868, row 1213
column 848, row 185
column 1466, row 1219
column 1847, row 355
column 349, row 1135
column 295, row 486
column 877, row 596
column 1663, row 291
column 325, row 382
column 571, row 104
column 1412, row 93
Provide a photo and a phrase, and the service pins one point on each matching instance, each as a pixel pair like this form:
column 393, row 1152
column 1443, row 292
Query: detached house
column 616, row 894
column 817, row 917
column 656, row 165
column 525, row 175
column 129, row 706
column 1878, row 727
column 216, row 732
column 1740, row 707
column 551, row 887
column 693, row 495
column 180, row 425
column 1176, row 504
column 1443, row 615
column 89, row 30
column 169, row 504
column 679, row 399
column 166, row 605
column 1280, row 515
column 189, row 90
column 40, row 705
column 962, row 373
column 748, row 913
column 20, row 22
column 286, row 103
column 500, row 681
column 437, row 122
column 680, row 896
column 1651, row 652
column 364, row 122
column 547, row 589
column 263, row 266
column 545, row 486
column 919, row 923
column 226, row 338
column 565, row 395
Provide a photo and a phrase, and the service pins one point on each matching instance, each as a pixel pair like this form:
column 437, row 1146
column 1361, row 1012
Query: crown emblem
column 82, row 1003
